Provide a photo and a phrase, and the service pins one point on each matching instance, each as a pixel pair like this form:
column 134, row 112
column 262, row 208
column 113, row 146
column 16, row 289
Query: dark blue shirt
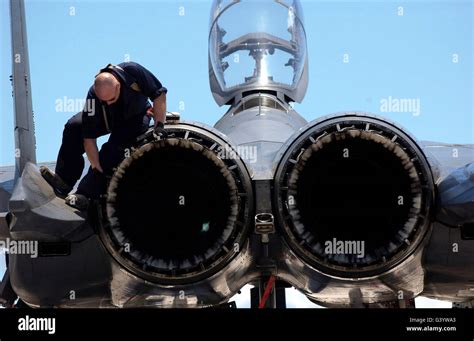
column 138, row 86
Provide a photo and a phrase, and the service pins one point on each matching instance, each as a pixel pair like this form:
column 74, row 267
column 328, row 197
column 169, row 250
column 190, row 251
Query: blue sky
column 410, row 56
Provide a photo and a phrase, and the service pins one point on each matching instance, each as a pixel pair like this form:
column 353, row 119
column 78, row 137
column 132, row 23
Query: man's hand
column 90, row 146
column 159, row 132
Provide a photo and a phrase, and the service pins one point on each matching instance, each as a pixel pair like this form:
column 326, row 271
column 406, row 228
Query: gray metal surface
column 261, row 129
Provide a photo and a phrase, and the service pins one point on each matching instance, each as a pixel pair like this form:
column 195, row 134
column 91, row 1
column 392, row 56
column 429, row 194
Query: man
column 117, row 103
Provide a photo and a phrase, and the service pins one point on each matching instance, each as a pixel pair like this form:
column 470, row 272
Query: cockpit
column 257, row 45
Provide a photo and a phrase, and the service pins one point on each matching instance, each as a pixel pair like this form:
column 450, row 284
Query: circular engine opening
column 173, row 208
column 355, row 192
column 354, row 198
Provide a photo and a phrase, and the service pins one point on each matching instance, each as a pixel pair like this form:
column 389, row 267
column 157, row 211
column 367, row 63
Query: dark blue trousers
column 70, row 162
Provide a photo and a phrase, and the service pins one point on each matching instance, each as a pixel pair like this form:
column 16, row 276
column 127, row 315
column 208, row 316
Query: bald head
column 107, row 87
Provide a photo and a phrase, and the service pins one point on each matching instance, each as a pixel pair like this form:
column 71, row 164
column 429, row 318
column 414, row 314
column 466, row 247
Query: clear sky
column 360, row 54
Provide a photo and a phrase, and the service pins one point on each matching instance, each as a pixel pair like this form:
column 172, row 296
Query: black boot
column 59, row 186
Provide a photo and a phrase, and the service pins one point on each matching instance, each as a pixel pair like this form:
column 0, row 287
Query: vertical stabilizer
column 25, row 141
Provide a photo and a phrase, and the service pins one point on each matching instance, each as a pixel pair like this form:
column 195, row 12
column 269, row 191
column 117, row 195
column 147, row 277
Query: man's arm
column 151, row 87
column 92, row 152
column 89, row 128
column 159, row 109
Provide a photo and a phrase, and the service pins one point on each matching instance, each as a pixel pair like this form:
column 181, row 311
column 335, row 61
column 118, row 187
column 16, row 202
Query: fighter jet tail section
column 349, row 209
